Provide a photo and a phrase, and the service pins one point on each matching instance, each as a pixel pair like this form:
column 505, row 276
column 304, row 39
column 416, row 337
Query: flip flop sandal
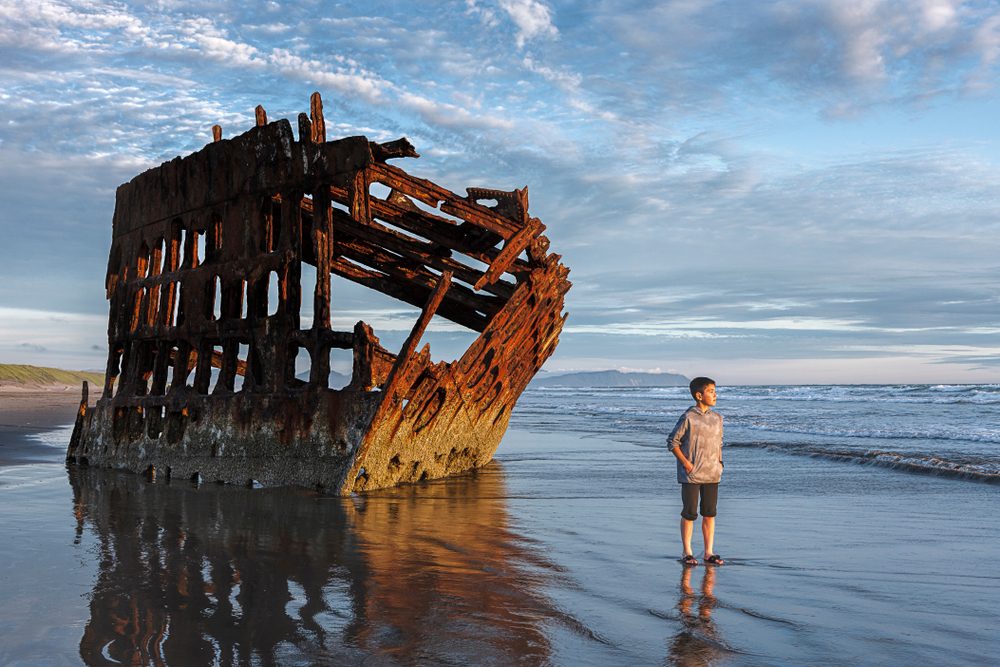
column 714, row 559
column 689, row 561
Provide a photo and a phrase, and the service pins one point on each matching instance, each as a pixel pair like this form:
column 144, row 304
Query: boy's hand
column 684, row 461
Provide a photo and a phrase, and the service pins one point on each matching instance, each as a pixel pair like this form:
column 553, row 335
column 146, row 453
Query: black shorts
column 709, row 499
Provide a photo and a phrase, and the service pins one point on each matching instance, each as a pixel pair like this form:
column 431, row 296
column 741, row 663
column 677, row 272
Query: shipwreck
column 205, row 287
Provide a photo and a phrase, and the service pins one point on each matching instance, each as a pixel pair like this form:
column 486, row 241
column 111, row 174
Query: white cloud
column 532, row 18
column 659, row 330
column 939, row 15
column 449, row 115
column 276, row 28
column 565, row 79
column 485, row 15
column 987, row 39
column 707, row 327
column 209, row 41
column 66, row 27
column 862, row 36
column 366, row 86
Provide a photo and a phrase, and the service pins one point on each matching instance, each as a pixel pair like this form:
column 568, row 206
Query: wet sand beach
column 563, row 551
column 29, row 411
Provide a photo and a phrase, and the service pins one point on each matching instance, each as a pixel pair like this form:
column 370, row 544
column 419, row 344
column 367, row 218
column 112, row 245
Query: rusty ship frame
column 199, row 242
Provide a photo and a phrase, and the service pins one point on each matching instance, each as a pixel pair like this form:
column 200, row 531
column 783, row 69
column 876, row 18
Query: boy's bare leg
column 708, row 534
column 687, row 529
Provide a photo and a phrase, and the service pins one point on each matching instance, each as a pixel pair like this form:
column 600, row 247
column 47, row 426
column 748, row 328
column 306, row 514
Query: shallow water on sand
column 563, row 551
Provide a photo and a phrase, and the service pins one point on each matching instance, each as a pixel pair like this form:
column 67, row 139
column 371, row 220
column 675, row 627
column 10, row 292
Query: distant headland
column 610, row 379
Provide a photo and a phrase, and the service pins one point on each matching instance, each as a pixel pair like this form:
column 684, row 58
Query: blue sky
column 793, row 191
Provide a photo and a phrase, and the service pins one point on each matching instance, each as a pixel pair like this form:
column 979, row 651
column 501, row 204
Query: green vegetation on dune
column 39, row 376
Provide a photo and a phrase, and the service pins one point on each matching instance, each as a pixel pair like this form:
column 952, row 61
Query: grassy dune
column 37, row 376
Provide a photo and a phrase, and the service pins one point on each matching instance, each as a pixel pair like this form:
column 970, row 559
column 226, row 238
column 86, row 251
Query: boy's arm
column 676, row 437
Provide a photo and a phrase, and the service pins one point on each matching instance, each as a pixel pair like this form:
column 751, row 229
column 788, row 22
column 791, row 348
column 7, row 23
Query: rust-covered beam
column 411, row 294
column 394, row 387
column 450, row 203
column 426, row 252
column 393, row 149
column 400, row 212
column 414, row 273
column 513, row 205
column 511, row 249
column 216, row 361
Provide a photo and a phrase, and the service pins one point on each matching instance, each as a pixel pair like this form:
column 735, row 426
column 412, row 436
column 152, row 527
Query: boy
column 696, row 442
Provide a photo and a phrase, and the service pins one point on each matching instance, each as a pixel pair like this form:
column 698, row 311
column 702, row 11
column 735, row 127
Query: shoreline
column 26, row 412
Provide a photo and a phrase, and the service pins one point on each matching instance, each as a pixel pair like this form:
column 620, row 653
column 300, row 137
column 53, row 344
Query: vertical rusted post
column 358, row 197
column 190, row 250
column 261, row 116
column 181, row 355
column 156, row 267
column 78, row 425
column 126, row 381
column 305, row 128
column 203, row 370
column 167, row 302
column 323, row 245
column 291, row 216
column 230, row 355
column 112, row 371
column 216, row 133
column 316, row 116
column 216, row 235
column 160, row 367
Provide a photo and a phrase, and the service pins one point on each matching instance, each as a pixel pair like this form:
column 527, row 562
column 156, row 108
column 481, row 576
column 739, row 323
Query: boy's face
column 706, row 396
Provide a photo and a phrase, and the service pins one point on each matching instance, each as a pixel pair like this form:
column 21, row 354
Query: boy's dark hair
column 699, row 384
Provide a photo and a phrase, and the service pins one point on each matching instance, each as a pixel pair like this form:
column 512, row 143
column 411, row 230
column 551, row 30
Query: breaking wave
column 881, row 434
column 982, row 470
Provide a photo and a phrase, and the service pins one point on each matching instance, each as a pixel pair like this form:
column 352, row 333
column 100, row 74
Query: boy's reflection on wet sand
column 228, row 575
column 696, row 643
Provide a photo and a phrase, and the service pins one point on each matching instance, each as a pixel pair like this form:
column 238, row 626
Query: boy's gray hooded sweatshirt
column 699, row 435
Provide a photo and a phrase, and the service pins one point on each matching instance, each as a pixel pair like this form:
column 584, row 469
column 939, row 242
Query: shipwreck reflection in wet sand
column 285, row 576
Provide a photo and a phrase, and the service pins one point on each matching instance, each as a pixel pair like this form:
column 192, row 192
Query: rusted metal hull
column 198, row 241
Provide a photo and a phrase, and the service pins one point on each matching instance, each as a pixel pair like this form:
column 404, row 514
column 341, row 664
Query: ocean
column 951, row 430
column 859, row 524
